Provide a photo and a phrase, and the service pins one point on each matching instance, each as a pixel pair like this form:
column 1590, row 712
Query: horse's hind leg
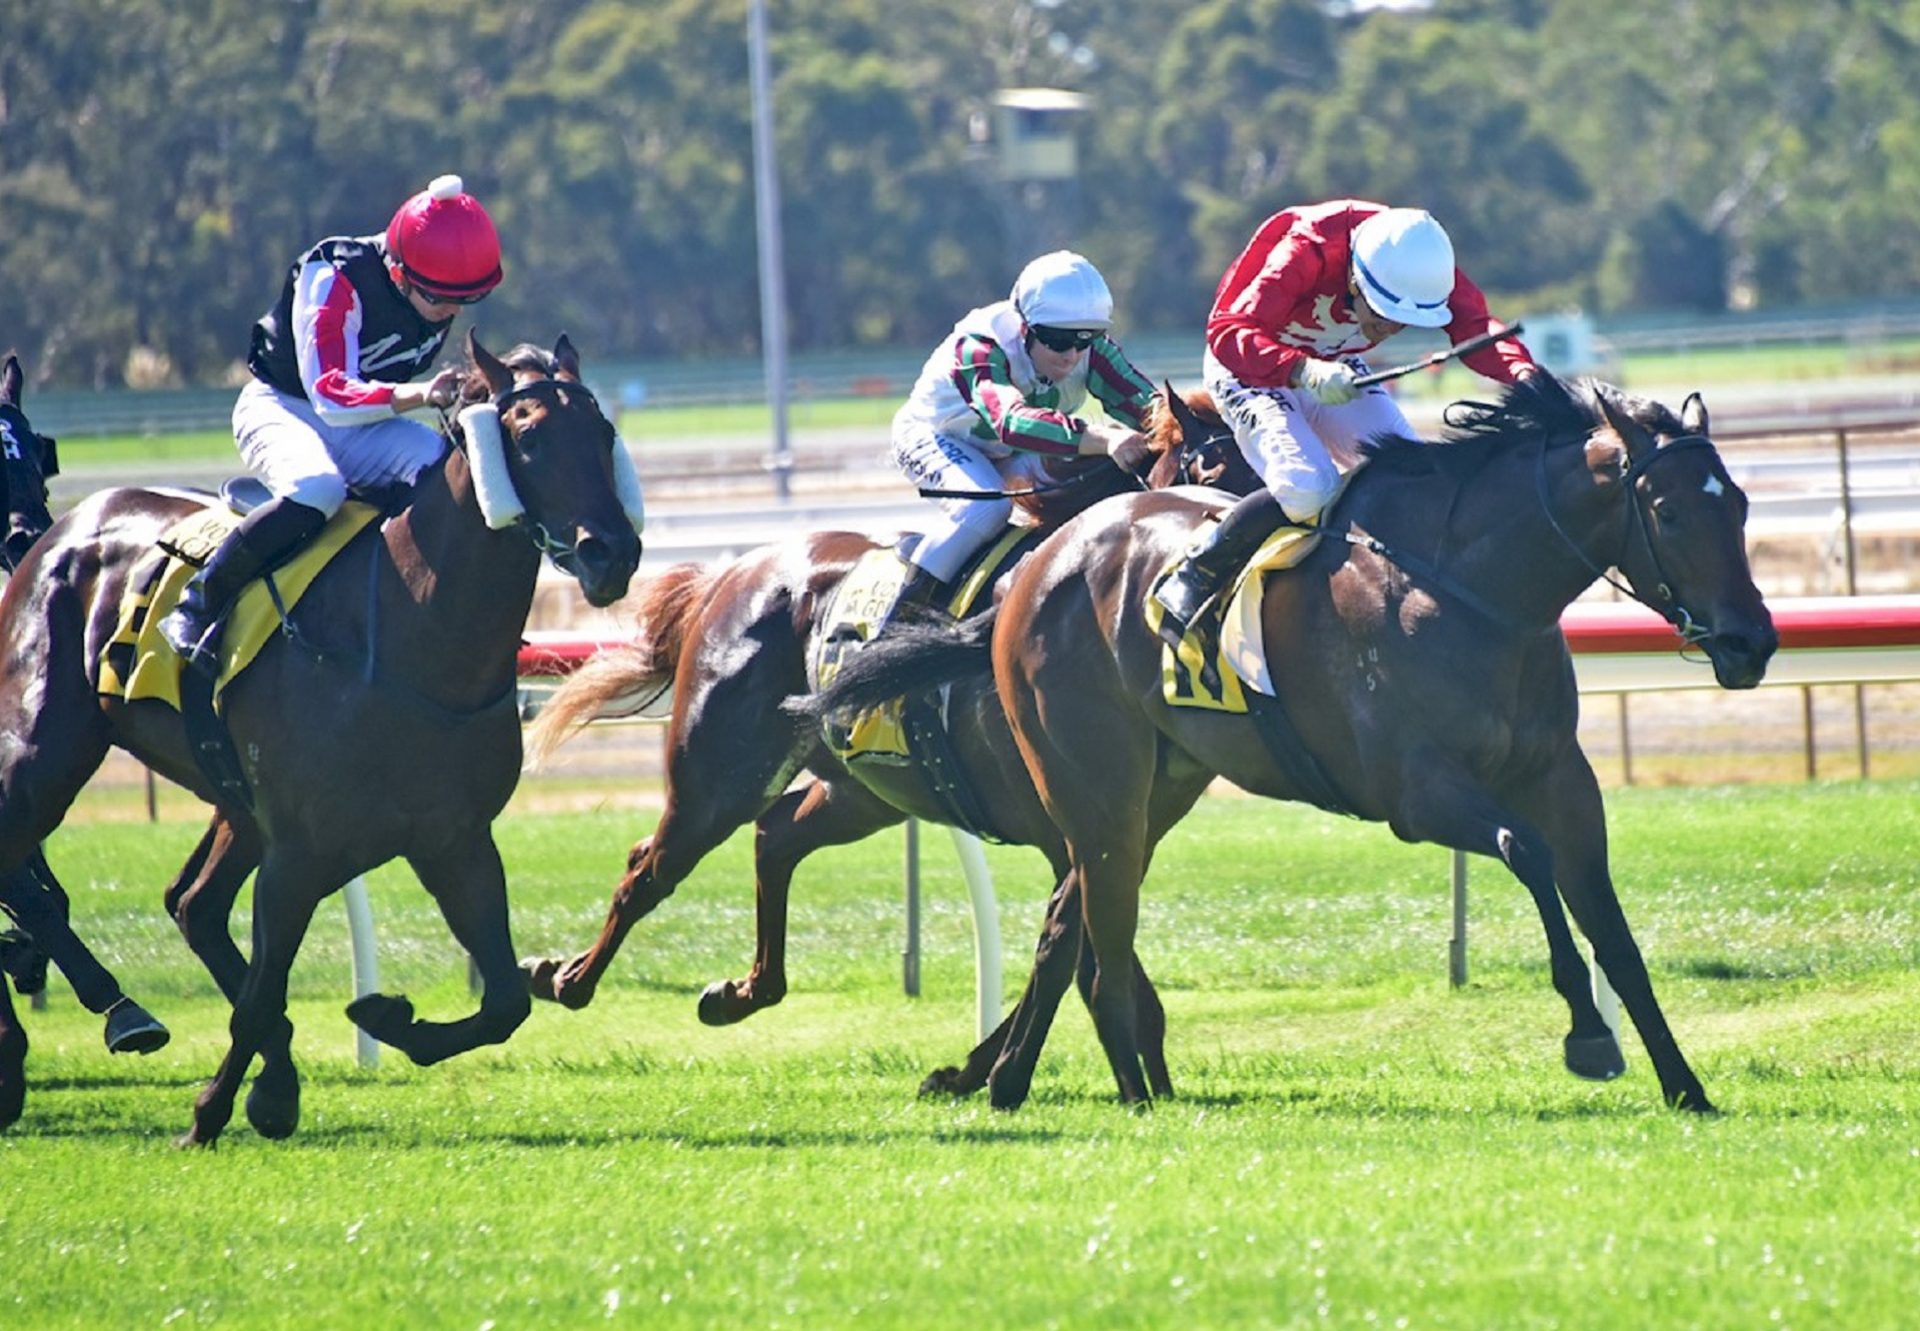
column 201, row 902
column 820, row 813
column 1571, row 811
column 469, row 885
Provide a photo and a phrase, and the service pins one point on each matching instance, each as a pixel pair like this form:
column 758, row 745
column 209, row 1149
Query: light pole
column 773, row 286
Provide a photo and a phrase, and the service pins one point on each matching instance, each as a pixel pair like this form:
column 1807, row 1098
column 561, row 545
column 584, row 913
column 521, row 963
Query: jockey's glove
column 1330, row 382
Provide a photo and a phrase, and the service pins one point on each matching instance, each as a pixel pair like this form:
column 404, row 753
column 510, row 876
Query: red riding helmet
column 445, row 244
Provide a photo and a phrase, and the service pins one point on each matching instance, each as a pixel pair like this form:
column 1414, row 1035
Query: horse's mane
column 1542, row 406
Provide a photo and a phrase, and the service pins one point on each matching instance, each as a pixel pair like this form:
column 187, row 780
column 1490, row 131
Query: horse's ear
column 1192, row 428
column 10, row 381
column 1693, row 414
column 566, row 360
column 1631, row 432
column 499, row 378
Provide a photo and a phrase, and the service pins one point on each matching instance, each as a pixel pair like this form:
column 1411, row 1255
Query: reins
column 1669, row 608
column 1691, row 631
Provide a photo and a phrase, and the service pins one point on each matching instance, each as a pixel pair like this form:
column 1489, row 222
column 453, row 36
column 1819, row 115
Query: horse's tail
column 626, row 681
column 909, row 657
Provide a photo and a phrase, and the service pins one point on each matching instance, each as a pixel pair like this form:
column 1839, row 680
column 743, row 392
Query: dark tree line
column 162, row 160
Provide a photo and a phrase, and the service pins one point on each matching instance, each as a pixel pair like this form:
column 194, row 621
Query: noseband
column 564, row 554
column 1668, row 607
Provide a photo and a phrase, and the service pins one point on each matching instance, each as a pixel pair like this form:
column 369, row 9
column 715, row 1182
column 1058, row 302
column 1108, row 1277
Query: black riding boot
column 920, row 589
column 263, row 539
column 1215, row 555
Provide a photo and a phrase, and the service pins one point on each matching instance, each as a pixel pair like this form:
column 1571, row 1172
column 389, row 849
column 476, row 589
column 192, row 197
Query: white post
column 986, row 930
column 366, row 962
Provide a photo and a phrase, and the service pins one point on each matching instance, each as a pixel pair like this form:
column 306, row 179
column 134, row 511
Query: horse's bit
column 1691, row 631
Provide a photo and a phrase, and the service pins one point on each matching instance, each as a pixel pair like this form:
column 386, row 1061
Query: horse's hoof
column 273, row 1116
column 1595, row 1057
column 950, row 1082
column 193, row 1139
column 1005, row 1096
column 131, row 1029
column 385, row 1017
column 722, row 1005
column 13, row 1103
column 540, row 973
column 1694, row 1102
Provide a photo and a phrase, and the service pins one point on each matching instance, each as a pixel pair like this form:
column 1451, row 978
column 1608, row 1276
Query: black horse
column 31, row 896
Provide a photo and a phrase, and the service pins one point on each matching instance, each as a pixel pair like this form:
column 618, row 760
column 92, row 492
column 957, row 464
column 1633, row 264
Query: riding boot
column 1215, row 555
column 263, row 539
column 920, row 589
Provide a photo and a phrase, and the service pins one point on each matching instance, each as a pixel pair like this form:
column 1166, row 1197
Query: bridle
column 1668, row 607
column 564, row 554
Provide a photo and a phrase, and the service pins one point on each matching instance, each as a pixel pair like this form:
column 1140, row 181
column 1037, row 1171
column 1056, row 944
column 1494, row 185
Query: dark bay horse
column 31, row 896
column 1421, row 678
column 731, row 645
column 381, row 726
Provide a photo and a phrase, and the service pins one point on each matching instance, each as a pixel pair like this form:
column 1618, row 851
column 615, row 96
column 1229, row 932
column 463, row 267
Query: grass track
column 1352, row 1146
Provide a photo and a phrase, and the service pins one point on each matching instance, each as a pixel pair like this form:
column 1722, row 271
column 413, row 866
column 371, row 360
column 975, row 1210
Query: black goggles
column 1063, row 339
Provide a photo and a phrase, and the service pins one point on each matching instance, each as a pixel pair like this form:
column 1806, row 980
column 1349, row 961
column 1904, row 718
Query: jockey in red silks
column 1315, row 286
column 357, row 318
column 997, row 397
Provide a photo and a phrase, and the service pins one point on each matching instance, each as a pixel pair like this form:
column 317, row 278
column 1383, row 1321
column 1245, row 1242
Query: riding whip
column 1459, row 349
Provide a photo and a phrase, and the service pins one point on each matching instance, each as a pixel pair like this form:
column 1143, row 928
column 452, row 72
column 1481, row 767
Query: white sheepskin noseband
column 500, row 505
column 626, row 486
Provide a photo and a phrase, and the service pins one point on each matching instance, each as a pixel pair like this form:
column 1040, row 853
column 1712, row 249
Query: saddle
column 903, row 733
column 140, row 664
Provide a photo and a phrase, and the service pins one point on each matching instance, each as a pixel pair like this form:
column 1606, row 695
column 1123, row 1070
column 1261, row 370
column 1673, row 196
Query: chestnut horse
column 1420, row 673
column 731, row 644
column 381, row 725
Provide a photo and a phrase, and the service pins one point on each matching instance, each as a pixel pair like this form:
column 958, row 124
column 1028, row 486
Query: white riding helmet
column 1063, row 290
column 1403, row 265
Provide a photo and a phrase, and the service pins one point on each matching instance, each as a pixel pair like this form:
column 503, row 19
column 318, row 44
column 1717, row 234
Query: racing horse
column 1419, row 679
column 730, row 646
column 380, row 724
column 31, row 895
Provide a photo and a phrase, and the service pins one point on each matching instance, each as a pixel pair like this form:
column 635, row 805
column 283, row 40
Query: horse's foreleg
column 470, row 887
column 1006, row 1058
column 820, row 813
column 289, row 887
column 1572, row 811
column 1453, row 811
column 34, row 898
column 13, row 1061
column 201, row 900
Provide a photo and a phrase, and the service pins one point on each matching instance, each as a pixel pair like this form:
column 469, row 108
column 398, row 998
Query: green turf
column 1352, row 1145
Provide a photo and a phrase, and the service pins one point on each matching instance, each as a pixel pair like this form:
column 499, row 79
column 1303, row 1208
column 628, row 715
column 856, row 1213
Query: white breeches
column 961, row 526
column 284, row 441
column 1299, row 447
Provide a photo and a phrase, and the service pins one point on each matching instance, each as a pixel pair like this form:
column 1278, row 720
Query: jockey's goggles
column 1063, row 339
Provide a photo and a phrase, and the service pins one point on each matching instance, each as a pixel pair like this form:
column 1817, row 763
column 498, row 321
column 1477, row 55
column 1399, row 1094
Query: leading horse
column 381, row 725
column 1419, row 678
column 730, row 646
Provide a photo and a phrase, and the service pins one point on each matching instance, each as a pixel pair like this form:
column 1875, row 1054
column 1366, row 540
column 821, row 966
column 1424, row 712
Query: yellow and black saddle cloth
column 898, row 733
column 1188, row 676
column 139, row 663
